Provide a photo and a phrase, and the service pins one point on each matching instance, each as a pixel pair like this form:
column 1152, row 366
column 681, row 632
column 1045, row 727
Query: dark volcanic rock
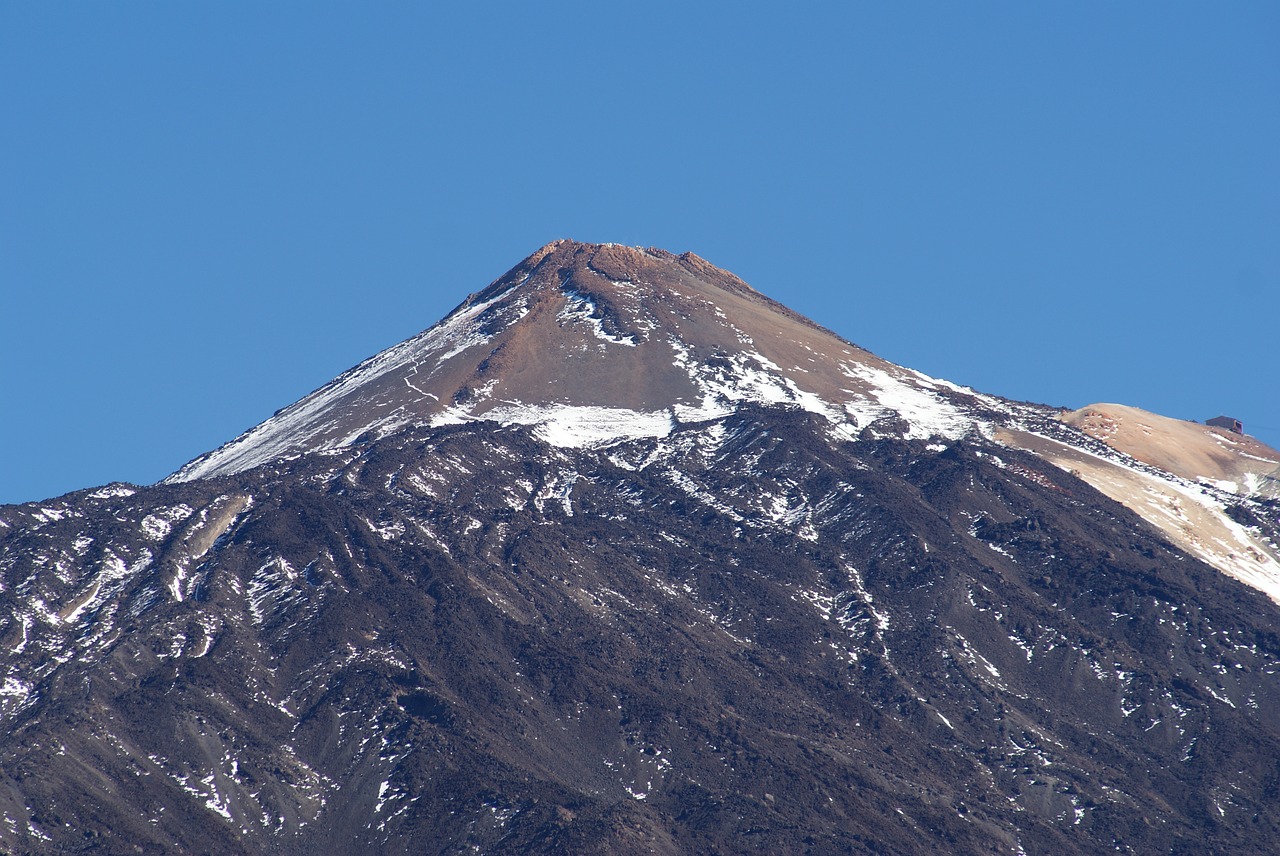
column 741, row 637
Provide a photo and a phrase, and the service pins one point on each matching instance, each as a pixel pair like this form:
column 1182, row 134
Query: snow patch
column 292, row 427
column 573, row 426
column 579, row 308
column 926, row 413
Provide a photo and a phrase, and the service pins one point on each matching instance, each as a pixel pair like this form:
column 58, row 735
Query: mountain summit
column 594, row 343
column 622, row 557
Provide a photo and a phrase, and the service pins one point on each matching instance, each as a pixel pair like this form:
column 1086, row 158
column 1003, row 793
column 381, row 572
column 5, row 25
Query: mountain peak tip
column 593, row 327
column 574, row 247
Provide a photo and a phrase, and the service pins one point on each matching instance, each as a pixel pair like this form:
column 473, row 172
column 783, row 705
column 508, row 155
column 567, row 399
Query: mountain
column 624, row 557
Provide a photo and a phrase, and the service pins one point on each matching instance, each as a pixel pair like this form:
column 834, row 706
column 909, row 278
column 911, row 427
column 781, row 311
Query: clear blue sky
column 209, row 209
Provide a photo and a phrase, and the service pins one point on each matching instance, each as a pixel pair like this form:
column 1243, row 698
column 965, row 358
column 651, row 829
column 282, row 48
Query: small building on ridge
column 1233, row 425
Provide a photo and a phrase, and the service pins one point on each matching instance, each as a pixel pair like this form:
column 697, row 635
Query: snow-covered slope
column 599, row 343
column 1226, row 530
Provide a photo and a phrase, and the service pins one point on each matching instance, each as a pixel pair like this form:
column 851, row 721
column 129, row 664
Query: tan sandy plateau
column 1183, row 448
column 1210, row 464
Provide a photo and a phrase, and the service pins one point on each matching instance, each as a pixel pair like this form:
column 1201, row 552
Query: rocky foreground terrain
column 623, row 557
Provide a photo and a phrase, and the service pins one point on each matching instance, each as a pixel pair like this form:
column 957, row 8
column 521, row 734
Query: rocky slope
column 623, row 557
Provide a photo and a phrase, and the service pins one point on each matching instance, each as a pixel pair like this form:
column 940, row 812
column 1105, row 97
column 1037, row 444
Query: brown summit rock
column 597, row 326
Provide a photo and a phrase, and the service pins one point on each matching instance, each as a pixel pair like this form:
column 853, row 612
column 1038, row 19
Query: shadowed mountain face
column 623, row 557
